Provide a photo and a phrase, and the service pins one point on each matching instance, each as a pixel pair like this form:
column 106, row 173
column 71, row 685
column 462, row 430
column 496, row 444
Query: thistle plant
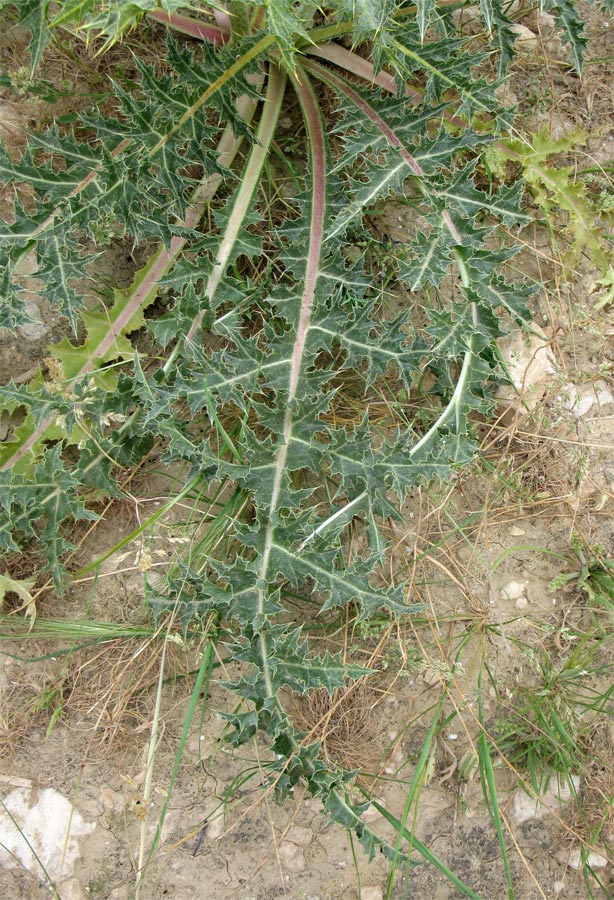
column 266, row 314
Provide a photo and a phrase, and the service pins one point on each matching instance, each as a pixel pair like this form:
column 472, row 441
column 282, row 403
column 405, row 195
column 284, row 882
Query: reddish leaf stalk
column 369, row 112
column 382, row 79
column 202, row 31
column 317, row 147
column 362, row 67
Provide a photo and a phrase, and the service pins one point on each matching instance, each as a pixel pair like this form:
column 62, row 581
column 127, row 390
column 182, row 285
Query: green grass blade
column 489, row 788
column 201, row 685
column 422, row 849
column 418, row 778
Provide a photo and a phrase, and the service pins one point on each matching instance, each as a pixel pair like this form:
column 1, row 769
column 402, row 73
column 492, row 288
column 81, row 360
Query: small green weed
column 595, row 577
column 546, row 726
column 563, row 196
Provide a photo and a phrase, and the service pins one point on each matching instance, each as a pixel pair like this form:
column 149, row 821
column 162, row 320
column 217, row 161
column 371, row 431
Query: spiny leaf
column 569, row 22
column 21, row 451
column 111, row 19
column 500, row 30
column 37, row 505
column 275, row 337
column 290, row 665
column 348, row 814
column 23, row 589
column 78, row 369
column 559, row 189
column 34, row 15
column 105, row 336
column 370, row 19
column 287, row 27
column 424, row 11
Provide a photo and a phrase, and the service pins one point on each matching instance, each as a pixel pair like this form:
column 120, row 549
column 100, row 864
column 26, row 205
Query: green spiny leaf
column 569, row 22
column 34, row 16
column 37, row 505
column 558, row 189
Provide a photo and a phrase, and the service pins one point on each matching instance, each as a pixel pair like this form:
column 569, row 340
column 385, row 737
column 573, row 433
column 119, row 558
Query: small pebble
column 522, row 603
column 371, row 892
column 580, row 399
column 551, row 802
column 72, row 890
column 37, row 328
column 513, row 590
column 291, row 857
column 545, row 21
column 526, row 38
column 215, row 829
column 111, row 799
column 287, row 850
column 593, row 860
column 370, row 815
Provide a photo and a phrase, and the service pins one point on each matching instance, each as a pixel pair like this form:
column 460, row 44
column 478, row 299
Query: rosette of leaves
column 263, row 325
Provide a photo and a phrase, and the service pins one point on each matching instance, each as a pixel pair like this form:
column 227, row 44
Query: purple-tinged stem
column 222, row 18
column 317, row 148
column 351, row 62
column 369, row 112
column 366, row 70
column 203, row 31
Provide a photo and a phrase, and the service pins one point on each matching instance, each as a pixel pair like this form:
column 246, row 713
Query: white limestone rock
column 35, row 824
column 558, row 794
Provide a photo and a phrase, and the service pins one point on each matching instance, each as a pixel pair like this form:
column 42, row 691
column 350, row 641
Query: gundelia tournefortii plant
column 266, row 305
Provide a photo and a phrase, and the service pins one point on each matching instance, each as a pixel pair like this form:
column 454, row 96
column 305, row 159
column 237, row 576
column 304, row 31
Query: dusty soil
column 480, row 551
